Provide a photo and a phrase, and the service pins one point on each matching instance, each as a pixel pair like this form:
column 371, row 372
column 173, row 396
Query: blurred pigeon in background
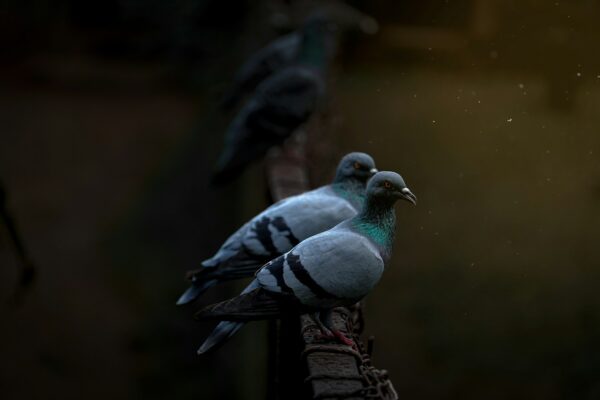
column 284, row 224
column 284, row 51
column 335, row 268
column 275, row 56
column 280, row 105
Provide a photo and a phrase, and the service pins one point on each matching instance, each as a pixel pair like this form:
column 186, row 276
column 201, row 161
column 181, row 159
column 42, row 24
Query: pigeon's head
column 389, row 185
column 317, row 34
column 319, row 22
column 358, row 166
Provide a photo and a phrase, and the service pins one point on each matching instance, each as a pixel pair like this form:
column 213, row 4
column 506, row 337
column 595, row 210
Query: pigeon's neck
column 312, row 50
column 351, row 190
column 377, row 221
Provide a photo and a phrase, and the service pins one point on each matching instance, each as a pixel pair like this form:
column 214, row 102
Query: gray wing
column 336, row 267
column 287, row 100
column 282, row 103
column 277, row 55
column 282, row 226
column 229, row 249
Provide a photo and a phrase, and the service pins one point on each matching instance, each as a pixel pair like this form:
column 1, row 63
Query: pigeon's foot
column 334, row 335
column 325, row 335
column 343, row 338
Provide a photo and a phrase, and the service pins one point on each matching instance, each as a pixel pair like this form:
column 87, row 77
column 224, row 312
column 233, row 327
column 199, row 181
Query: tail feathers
column 205, row 278
column 231, row 163
column 237, row 156
column 237, row 271
column 220, row 335
column 209, row 263
column 252, row 305
column 227, row 270
column 195, row 290
column 226, row 175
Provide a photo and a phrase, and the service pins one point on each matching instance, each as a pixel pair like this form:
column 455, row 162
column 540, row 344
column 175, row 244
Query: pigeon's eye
column 357, row 165
column 387, row 184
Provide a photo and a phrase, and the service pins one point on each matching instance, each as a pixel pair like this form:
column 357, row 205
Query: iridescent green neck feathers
column 351, row 190
column 377, row 221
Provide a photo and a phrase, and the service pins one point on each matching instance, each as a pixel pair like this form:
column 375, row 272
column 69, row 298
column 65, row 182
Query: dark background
column 109, row 129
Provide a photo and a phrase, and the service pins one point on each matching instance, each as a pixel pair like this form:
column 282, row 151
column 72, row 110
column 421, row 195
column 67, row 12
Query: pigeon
column 280, row 105
column 284, row 224
column 283, row 51
column 335, row 268
column 277, row 55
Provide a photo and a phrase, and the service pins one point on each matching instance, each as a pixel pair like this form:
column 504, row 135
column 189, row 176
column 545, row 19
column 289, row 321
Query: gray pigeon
column 285, row 224
column 335, row 268
column 280, row 105
column 277, row 55
column 283, row 51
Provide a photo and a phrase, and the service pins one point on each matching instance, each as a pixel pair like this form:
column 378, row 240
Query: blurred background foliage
column 109, row 129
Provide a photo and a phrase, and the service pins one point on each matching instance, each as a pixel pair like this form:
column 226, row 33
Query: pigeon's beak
column 373, row 171
column 408, row 196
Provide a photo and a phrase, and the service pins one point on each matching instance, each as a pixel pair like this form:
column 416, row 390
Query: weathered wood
column 286, row 168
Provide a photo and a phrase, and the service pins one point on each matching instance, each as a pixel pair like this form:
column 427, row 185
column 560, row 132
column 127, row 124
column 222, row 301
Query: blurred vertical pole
column 27, row 273
column 286, row 176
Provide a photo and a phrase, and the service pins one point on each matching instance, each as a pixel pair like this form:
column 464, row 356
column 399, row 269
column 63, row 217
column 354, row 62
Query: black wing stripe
column 303, row 276
column 279, row 223
column 276, row 269
column 263, row 234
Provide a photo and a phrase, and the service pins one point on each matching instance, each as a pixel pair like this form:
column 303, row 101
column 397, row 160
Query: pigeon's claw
column 325, row 334
column 343, row 338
